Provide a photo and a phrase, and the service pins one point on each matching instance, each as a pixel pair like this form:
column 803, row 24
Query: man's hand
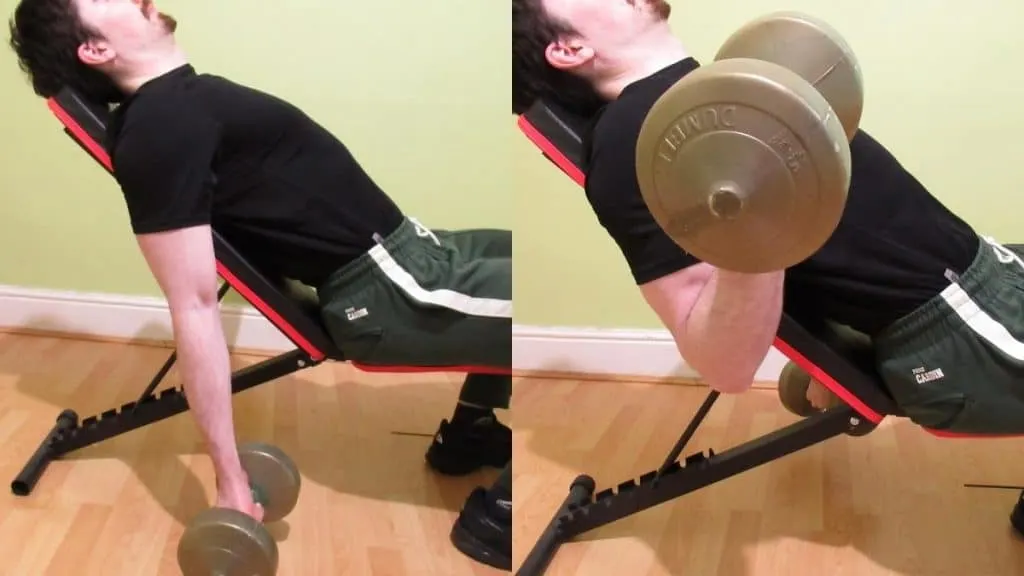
column 184, row 265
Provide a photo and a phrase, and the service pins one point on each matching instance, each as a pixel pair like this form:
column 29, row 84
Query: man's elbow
column 190, row 295
column 732, row 377
column 198, row 304
column 197, row 309
column 731, row 385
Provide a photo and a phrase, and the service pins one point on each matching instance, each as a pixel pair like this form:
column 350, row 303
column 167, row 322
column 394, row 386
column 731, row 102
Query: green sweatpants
column 428, row 298
column 957, row 363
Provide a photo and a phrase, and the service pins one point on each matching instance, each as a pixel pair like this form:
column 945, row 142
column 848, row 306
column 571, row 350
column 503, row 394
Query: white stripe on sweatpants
column 980, row 321
column 473, row 306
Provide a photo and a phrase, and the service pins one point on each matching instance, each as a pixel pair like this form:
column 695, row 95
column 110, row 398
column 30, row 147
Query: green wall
column 942, row 91
column 419, row 90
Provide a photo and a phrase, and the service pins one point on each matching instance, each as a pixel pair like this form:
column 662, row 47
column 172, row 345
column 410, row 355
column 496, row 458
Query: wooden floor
column 893, row 502
column 368, row 503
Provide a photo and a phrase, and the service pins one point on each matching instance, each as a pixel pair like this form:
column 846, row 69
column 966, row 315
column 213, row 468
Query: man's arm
column 182, row 262
column 163, row 160
column 723, row 322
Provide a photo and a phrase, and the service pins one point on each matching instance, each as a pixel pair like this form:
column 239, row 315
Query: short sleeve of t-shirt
column 163, row 160
column 615, row 197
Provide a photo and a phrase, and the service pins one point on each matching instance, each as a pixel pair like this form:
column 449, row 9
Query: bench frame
column 808, row 343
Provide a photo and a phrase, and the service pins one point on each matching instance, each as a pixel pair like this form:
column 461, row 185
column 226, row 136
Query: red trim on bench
column 551, row 150
column 282, row 325
column 425, row 369
column 829, row 382
column 94, row 148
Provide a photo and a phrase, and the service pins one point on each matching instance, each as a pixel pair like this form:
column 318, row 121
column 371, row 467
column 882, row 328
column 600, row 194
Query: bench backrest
column 278, row 299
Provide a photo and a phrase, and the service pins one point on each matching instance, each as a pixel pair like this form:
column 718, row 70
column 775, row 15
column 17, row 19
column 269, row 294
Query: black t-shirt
column 893, row 249
column 191, row 149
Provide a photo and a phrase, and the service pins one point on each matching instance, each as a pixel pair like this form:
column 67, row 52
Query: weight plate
column 274, row 477
column 793, row 384
column 811, row 48
column 744, row 166
column 224, row 542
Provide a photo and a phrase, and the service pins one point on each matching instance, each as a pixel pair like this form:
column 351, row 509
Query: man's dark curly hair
column 46, row 34
column 533, row 78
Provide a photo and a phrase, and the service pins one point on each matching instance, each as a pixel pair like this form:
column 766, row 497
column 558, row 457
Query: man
column 942, row 304
column 192, row 150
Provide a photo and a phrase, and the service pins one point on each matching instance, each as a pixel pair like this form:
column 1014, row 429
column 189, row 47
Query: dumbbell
column 226, row 542
column 745, row 162
column 813, row 49
column 793, row 384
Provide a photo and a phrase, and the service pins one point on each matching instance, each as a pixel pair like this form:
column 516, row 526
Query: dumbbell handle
column 258, row 496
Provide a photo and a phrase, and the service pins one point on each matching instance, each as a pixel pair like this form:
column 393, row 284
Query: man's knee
column 736, row 386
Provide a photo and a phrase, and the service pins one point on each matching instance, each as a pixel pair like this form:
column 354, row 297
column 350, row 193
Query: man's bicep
column 164, row 166
column 184, row 265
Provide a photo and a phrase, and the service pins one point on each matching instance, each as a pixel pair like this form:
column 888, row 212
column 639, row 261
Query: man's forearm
column 732, row 326
column 206, row 373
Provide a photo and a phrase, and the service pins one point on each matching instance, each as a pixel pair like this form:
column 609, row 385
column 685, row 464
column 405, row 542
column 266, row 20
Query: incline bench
column 820, row 348
column 289, row 305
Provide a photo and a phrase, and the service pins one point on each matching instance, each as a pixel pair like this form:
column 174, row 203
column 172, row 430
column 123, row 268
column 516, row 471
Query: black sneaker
column 460, row 449
column 484, row 530
column 1017, row 516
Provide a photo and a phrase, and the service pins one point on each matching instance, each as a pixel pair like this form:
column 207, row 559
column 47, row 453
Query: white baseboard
column 648, row 354
column 124, row 317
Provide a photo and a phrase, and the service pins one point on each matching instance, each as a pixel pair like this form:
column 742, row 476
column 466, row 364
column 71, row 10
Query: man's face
column 604, row 27
column 126, row 28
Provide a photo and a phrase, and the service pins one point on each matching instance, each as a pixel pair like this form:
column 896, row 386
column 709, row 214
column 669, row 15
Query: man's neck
column 642, row 60
column 153, row 66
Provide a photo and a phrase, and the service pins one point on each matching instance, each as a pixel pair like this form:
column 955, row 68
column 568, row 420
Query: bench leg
column 68, row 434
column 583, row 511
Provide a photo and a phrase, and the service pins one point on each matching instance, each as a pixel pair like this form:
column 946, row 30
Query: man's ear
column 95, row 52
column 567, row 54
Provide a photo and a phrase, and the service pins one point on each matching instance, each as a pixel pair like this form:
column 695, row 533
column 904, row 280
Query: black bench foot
column 584, row 510
column 580, row 492
column 70, row 434
column 26, row 480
